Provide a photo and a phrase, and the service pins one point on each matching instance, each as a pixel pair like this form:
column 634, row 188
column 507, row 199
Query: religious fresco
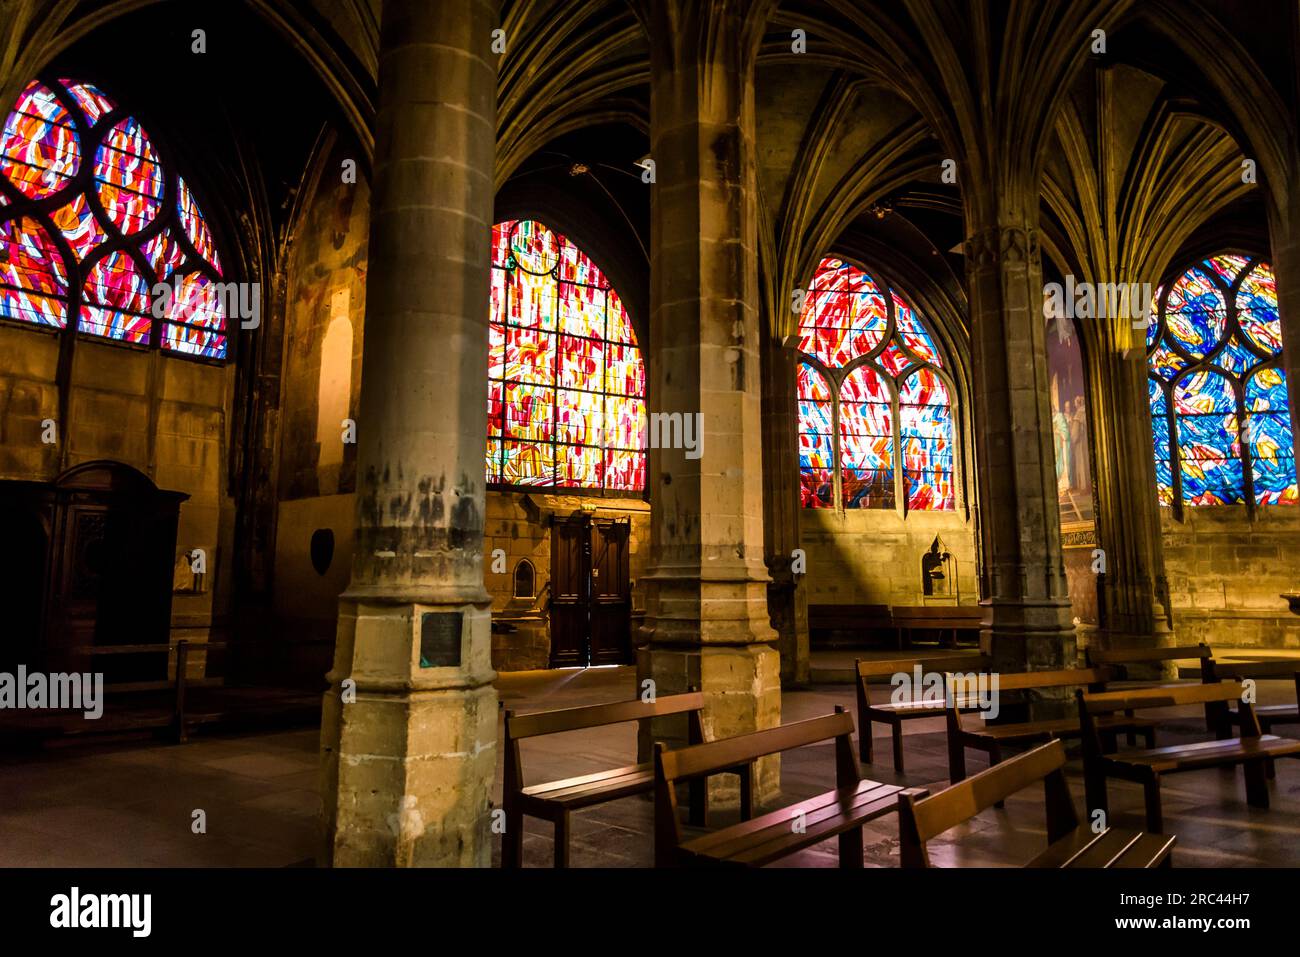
column 1070, row 439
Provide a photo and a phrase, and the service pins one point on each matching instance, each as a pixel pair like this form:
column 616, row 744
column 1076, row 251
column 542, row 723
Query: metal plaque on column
column 440, row 633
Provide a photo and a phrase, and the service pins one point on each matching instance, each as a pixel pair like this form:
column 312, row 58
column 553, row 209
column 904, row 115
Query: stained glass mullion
column 100, row 216
column 857, row 328
column 1243, row 441
column 555, row 380
column 901, row 495
column 836, row 463
column 595, row 435
column 1174, row 451
column 604, row 391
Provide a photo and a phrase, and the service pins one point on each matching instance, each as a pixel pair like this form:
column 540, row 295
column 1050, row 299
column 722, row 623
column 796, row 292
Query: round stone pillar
column 410, row 720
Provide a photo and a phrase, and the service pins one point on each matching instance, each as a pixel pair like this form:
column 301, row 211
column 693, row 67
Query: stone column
column 1027, row 624
column 787, row 599
column 1133, row 587
column 706, row 609
column 408, row 766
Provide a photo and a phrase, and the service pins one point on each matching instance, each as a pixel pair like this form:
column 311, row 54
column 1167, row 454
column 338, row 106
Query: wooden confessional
column 87, row 562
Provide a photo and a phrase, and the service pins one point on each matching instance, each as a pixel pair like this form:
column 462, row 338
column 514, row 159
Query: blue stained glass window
column 1220, row 419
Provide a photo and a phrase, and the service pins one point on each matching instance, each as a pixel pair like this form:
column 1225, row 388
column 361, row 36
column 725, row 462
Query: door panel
column 591, row 601
column 570, row 554
column 611, row 604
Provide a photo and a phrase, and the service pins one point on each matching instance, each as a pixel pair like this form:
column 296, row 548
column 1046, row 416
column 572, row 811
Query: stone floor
column 133, row 803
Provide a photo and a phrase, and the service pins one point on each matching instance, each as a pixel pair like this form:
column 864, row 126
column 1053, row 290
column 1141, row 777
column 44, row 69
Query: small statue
column 934, row 578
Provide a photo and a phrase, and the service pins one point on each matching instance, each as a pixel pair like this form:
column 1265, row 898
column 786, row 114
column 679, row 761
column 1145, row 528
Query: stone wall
column 873, row 556
column 324, row 322
column 306, row 600
column 1226, row 573
column 518, row 530
column 162, row 415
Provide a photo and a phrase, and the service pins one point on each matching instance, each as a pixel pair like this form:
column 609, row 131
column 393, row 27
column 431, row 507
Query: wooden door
column 570, row 593
column 611, row 596
column 591, row 601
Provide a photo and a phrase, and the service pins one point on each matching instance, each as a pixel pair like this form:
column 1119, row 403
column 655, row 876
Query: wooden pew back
column 1121, row 657
column 1237, row 670
column 848, row 617
column 1214, row 695
column 1164, row 696
column 886, row 668
column 959, row 695
column 729, row 754
column 520, row 726
column 921, row 820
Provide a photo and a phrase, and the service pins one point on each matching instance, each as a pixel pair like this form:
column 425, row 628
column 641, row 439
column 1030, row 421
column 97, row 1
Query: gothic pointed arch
column 566, row 378
column 875, row 403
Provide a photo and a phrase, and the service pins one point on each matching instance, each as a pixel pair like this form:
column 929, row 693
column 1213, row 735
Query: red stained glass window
column 875, row 409
column 566, row 381
column 91, row 219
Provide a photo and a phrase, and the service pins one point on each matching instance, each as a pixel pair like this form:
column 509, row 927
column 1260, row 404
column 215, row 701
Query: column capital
column 682, row 33
column 1002, row 245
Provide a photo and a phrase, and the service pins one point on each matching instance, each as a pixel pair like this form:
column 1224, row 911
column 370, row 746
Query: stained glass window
column 566, row 384
column 1219, row 415
column 875, row 408
column 91, row 220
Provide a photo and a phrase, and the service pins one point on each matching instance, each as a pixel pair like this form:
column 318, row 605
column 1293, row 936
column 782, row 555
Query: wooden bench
column 1252, row 750
column 168, row 707
column 827, row 623
column 1269, row 714
column 1118, row 660
column 991, row 738
column 894, row 714
column 164, row 704
column 952, row 618
column 1071, row 844
column 555, row 800
column 754, row 842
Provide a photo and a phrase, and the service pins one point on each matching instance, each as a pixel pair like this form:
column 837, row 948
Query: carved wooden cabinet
column 89, row 563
